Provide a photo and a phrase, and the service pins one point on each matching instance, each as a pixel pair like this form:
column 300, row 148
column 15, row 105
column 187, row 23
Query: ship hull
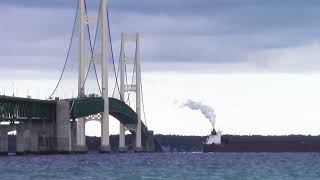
column 262, row 147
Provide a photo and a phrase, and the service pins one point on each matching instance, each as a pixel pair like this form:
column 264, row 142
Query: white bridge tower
column 84, row 20
column 125, row 88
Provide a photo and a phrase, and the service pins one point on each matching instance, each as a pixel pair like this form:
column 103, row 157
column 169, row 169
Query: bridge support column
column 34, row 137
column 27, row 137
column 3, row 140
column 30, row 137
column 138, row 146
column 122, row 139
column 105, row 144
column 138, row 96
column 20, row 139
column 81, row 141
column 73, row 135
column 63, row 127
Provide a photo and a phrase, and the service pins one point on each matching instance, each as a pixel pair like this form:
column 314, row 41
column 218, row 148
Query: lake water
column 163, row 166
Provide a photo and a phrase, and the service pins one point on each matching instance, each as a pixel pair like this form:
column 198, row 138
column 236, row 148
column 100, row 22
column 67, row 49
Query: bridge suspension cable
column 92, row 48
column 115, row 85
column 112, row 56
column 68, row 53
column 144, row 112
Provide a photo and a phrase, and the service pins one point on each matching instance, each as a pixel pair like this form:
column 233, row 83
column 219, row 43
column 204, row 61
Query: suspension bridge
column 57, row 125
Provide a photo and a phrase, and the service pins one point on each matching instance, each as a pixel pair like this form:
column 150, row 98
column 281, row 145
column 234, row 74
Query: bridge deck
column 16, row 108
column 118, row 109
column 22, row 109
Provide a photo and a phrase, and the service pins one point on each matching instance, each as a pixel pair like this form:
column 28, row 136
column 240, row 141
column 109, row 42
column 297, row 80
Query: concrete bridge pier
column 63, row 127
column 20, row 139
column 147, row 143
column 73, row 135
column 122, row 139
column 35, row 137
column 105, row 140
column 81, row 137
column 70, row 133
column 138, row 137
column 3, row 140
column 46, row 134
column 26, row 138
column 34, row 143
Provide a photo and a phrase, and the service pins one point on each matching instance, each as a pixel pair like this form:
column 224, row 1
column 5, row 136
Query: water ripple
column 163, row 166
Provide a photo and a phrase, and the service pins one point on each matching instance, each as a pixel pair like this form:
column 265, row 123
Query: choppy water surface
column 163, row 166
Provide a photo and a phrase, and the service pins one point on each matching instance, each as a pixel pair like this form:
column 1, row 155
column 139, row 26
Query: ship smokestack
column 206, row 110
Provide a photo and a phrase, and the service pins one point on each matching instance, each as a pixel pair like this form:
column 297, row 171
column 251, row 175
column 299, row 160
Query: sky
column 254, row 62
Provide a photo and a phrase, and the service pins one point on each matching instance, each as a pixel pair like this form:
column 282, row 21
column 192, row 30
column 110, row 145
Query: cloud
column 293, row 59
column 213, row 36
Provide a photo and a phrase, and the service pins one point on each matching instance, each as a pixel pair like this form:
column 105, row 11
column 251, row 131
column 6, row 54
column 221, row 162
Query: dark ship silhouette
column 215, row 142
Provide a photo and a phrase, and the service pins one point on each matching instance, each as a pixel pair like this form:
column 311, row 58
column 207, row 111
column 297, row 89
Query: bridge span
column 49, row 126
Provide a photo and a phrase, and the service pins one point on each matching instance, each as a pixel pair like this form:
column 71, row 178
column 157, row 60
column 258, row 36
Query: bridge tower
column 81, row 145
column 124, row 88
column 84, row 20
column 105, row 144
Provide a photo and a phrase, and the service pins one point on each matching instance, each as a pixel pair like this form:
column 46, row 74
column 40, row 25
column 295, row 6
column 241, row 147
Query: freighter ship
column 215, row 143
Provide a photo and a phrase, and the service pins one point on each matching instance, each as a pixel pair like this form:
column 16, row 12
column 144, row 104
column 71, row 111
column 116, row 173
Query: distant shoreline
column 180, row 143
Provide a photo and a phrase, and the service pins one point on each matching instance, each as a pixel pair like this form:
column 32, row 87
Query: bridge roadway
column 13, row 109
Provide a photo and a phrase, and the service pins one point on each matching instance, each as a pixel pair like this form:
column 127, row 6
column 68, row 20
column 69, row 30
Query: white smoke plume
column 206, row 110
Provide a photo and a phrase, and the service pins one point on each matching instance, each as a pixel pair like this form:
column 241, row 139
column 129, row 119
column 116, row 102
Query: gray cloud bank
column 207, row 35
